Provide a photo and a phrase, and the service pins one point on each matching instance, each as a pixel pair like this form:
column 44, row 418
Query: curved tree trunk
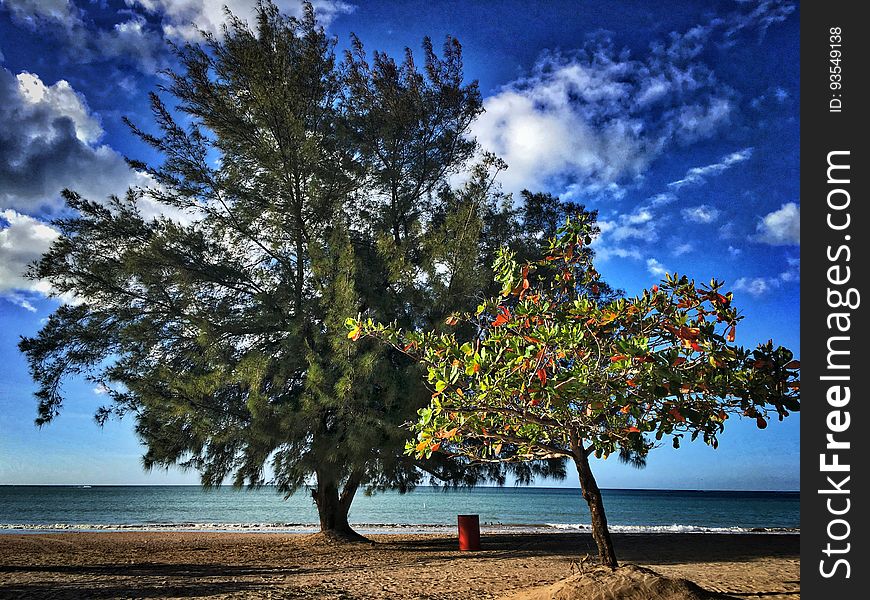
column 333, row 505
column 592, row 495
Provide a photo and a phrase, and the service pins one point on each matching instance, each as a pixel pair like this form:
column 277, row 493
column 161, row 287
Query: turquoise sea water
column 42, row 508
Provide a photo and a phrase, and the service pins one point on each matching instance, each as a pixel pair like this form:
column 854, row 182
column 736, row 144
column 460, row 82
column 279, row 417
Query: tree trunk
column 592, row 495
column 333, row 506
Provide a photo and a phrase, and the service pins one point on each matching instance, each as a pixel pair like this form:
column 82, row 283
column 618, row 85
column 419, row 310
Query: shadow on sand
column 649, row 549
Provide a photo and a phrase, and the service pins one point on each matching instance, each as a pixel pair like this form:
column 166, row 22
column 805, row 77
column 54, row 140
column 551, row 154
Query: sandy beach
column 243, row 565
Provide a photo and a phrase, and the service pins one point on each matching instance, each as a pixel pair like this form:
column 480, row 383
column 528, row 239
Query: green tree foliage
column 554, row 367
column 313, row 188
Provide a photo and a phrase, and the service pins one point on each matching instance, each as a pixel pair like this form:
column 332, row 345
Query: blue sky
column 678, row 121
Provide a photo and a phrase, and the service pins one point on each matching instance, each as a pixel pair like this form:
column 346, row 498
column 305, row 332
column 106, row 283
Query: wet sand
column 248, row 565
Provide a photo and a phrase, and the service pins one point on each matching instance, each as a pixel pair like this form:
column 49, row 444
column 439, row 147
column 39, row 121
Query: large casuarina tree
column 310, row 187
column 555, row 367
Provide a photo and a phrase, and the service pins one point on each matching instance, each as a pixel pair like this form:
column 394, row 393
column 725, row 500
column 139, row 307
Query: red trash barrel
column 469, row 532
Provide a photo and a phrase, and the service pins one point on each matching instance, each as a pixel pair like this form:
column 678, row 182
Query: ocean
column 539, row 509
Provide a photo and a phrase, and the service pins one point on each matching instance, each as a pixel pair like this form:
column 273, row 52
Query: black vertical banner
column 835, row 439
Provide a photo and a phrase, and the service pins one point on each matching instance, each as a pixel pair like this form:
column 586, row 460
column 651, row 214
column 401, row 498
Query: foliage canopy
column 555, row 367
column 311, row 188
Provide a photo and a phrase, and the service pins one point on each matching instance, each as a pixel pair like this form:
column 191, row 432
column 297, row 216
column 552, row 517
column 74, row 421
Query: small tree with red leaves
column 552, row 369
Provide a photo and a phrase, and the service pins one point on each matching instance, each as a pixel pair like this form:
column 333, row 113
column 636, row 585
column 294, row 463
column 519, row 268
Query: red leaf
column 503, row 318
column 542, row 375
column 618, row 358
column 633, row 430
column 449, row 434
column 732, row 333
column 761, row 422
column 689, row 333
column 793, row 365
column 678, row 361
column 676, row 414
column 719, row 298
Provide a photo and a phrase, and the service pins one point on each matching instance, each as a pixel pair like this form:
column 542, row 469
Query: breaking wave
column 375, row 528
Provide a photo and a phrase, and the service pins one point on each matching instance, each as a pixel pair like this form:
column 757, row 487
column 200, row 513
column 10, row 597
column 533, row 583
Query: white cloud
column 594, row 120
column 23, row 239
column 639, row 224
column 771, row 99
column 759, row 286
column 131, row 41
column 726, row 231
column 135, row 41
column 581, row 193
column 604, row 252
column 703, row 213
column 793, row 272
column 50, row 140
column 640, row 216
column 755, row 286
column 656, row 268
column 699, row 175
column 184, row 19
column 61, row 101
column 700, row 121
column 764, row 14
column 32, row 12
column 753, row 16
column 781, row 227
column 662, row 199
column 678, row 249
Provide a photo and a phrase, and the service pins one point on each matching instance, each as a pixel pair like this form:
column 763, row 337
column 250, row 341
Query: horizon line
column 449, row 488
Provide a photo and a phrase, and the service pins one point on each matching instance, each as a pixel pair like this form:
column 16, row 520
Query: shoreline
column 401, row 566
column 381, row 528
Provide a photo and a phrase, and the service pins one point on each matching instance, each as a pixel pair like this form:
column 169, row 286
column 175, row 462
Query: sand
column 248, row 565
